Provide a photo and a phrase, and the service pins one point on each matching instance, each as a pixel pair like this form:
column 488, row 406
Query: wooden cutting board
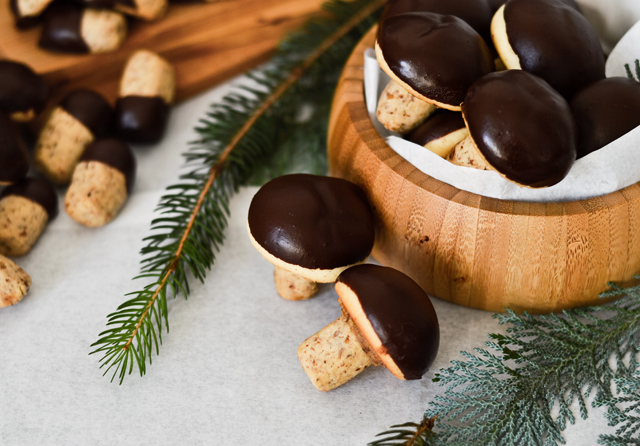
column 206, row 42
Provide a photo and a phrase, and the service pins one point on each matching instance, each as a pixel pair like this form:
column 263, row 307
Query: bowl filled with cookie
column 489, row 155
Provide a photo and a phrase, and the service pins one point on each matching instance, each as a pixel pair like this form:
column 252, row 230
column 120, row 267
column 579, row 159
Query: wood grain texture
column 477, row 251
column 207, row 43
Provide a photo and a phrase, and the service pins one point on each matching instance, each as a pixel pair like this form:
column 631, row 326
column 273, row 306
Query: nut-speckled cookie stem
column 60, row 146
column 400, row 111
column 335, row 354
column 148, row 75
column 21, row 223
column 14, row 282
column 96, row 194
column 102, row 30
column 467, row 154
column 291, row 286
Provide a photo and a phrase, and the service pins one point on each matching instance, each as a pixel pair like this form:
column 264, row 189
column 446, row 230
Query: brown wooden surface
column 207, row 43
column 477, row 251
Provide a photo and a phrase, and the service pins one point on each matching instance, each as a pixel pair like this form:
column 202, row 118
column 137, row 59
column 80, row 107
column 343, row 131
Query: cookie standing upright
column 70, row 28
column 101, row 183
column 80, row 118
column 25, row 209
column 27, row 12
column 147, row 90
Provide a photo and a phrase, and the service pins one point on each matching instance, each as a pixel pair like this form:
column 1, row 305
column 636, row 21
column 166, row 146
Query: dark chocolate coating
column 141, row 119
column 477, row 13
column 21, row 89
column 555, row 42
column 438, row 56
column 400, row 313
column 495, row 4
column 522, row 127
column 99, row 4
column 61, row 30
column 91, row 109
column 312, row 221
column 113, row 153
column 604, row 111
column 14, row 156
column 37, row 190
column 441, row 123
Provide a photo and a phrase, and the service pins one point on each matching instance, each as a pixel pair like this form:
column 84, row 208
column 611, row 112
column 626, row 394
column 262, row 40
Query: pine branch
column 630, row 74
column 407, row 434
column 624, row 412
column 237, row 136
column 504, row 395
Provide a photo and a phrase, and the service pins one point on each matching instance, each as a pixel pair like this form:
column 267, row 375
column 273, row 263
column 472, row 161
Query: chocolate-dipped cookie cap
column 312, row 221
column 477, row 13
column 555, row 42
column 141, row 119
column 522, row 127
column 91, row 109
column 432, row 56
column 37, row 190
column 61, row 30
column 113, row 153
column 440, row 124
column 14, row 156
column 399, row 312
column 21, row 89
column 604, row 111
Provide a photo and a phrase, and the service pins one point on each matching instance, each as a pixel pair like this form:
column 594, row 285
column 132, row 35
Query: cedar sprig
column 237, row 137
column 504, row 394
column 408, row 434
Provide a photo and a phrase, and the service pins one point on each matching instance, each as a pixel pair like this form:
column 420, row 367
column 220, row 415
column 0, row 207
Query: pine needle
column 237, row 136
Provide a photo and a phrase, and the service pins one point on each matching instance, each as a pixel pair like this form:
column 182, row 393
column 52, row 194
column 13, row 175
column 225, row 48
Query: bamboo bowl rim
column 354, row 74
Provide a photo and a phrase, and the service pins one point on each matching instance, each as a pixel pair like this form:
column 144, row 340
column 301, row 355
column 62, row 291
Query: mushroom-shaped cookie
column 441, row 132
column 434, row 57
column 23, row 93
column 520, row 127
column 14, row 282
column 311, row 228
column 69, row 28
column 27, row 12
column 477, row 13
column 387, row 319
column 14, row 156
column 101, row 182
column 550, row 39
column 81, row 117
column 25, row 209
column 604, row 111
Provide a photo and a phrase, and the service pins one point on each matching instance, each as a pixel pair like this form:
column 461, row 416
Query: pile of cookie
column 85, row 26
column 82, row 144
column 321, row 229
column 514, row 86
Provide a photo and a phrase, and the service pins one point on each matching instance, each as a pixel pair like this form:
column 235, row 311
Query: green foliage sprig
column 238, row 137
column 627, row 67
column 504, row 394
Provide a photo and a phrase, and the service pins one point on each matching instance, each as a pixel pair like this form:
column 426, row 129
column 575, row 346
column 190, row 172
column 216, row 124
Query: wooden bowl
column 472, row 250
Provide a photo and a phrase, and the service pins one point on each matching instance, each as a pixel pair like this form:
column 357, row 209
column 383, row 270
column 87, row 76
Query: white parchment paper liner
column 607, row 170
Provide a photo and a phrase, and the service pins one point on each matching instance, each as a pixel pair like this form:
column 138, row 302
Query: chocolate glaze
column 99, row 4
column 37, row 190
column 21, row 89
column 476, row 13
column 400, row 313
column 438, row 56
column 312, row 221
column 113, row 153
column 604, row 111
column 141, row 119
column 495, row 4
column 14, row 157
column 441, row 123
column 522, row 126
column 61, row 30
column 555, row 42
column 91, row 109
